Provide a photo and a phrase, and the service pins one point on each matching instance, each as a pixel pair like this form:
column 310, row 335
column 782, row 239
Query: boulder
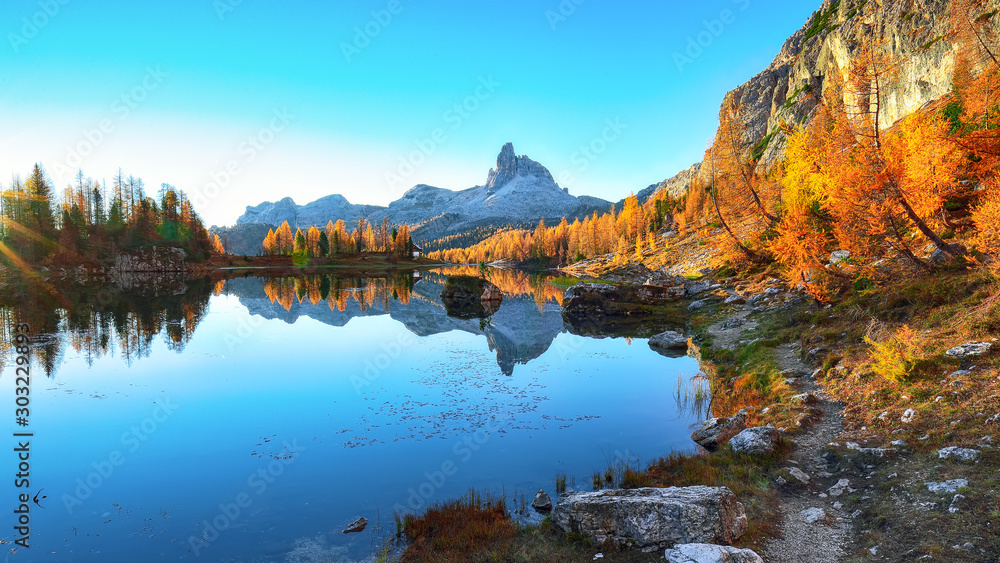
column 709, row 553
column 700, row 304
column 967, row 455
column 799, row 475
column 842, row 486
column 969, row 349
column 669, row 340
column 542, row 501
column 698, row 287
column 762, row 440
column 839, row 256
column 652, row 518
column 735, row 299
column 804, row 399
column 717, row 431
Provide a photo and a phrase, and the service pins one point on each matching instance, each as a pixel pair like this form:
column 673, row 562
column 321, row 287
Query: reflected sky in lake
column 254, row 427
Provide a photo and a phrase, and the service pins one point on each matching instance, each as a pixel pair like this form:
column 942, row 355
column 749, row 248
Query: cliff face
column 916, row 33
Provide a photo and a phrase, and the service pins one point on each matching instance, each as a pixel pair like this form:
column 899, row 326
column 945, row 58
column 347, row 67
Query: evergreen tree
column 324, row 245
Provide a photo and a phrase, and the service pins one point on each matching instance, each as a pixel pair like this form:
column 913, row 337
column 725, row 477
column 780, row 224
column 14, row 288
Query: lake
column 254, row 419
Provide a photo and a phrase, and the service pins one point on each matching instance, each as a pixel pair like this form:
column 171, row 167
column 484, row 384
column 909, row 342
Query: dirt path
column 824, row 540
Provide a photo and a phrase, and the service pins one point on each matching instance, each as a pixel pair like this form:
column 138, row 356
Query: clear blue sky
column 185, row 89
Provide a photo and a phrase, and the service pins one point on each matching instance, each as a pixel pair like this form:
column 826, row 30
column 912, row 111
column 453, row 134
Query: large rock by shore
column 596, row 300
column 715, row 432
column 652, row 518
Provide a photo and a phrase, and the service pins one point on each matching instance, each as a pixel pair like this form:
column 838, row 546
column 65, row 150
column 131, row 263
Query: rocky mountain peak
column 510, row 166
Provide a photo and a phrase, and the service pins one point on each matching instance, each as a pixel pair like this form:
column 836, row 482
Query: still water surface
column 255, row 420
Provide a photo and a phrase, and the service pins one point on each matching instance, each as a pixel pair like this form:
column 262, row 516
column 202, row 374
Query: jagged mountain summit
column 518, row 190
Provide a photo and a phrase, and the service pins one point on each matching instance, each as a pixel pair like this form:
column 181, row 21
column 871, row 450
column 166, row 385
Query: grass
column 450, row 531
column 478, row 528
column 758, row 149
column 906, row 521
column 566, row 281
column 931, row 43
column 821, row 21
column 748, row 477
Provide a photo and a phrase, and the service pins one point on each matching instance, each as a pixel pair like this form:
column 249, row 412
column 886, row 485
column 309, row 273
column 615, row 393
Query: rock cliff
column 915, row 32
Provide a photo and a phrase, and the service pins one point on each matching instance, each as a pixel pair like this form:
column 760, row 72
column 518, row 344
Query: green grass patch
column 931, row 43
column 821, row 21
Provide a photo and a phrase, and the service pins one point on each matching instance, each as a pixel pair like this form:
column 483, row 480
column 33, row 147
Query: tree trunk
column 948, row 249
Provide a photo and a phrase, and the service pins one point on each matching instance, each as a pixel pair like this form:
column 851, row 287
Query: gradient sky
column 188, row 88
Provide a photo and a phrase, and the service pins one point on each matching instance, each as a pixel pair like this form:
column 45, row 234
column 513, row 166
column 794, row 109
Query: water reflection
column 522, row 329
column 96, row 322
column 99, row 321
column 368, row 443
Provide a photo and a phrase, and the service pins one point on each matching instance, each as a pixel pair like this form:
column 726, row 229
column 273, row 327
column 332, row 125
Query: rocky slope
column 518, row 189
column 915, row 32
column 675, row 186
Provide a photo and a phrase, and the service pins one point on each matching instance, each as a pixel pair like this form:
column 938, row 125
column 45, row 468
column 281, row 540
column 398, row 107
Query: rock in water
column 542, row 502
column 709, row 553
column 669, row 340
column 762, row 440
column 469, row 297
column 650, row 518
column 717, row 431
column 356, row 526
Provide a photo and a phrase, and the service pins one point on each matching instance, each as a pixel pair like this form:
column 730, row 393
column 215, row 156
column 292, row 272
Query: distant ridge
column 517, row 190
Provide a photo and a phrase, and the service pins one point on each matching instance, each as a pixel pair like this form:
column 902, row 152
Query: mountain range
column 517, row 191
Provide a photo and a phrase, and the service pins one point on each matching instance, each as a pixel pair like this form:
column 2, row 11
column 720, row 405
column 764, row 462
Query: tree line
column 336, row 240
column 634, row 228
column 89, row 222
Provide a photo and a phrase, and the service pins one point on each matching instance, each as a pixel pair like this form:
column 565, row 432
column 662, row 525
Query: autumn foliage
column 631, row 229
